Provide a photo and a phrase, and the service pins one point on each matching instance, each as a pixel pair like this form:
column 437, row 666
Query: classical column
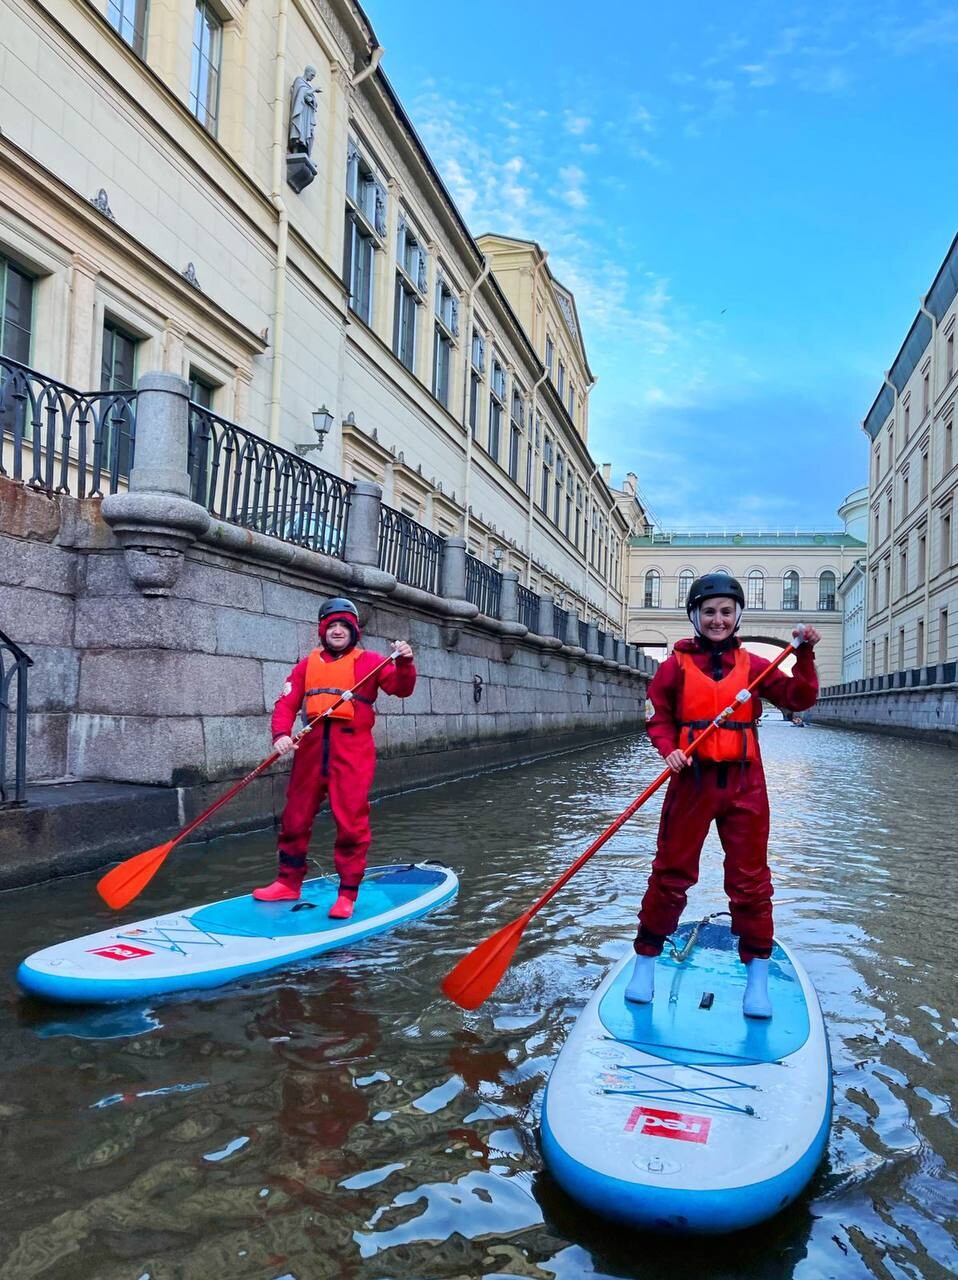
column 83, row 277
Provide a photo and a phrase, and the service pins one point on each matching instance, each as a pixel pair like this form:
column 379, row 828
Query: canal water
column 345, row 1121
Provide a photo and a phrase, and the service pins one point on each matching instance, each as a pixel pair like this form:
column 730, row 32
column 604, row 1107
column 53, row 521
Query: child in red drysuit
column 338, row 757
column 726, row 783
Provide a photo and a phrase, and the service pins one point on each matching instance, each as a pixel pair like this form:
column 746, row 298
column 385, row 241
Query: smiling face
column 717, row 618
column 338, row 636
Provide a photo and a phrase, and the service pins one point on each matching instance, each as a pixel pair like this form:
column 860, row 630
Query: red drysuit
column 337, row 758
column 731, row 794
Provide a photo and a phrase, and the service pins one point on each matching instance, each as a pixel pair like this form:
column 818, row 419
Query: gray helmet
column 714, row 584
column 338, row 604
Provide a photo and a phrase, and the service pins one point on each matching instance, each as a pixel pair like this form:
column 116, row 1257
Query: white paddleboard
column 683, row 1115
column 219, row 942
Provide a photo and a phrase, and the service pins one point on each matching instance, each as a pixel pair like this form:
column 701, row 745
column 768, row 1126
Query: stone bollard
column 509, row 596
column 452, row 577
column 546, row 614
column 572, row 629
column 362, row 531
column 592, row 638
column 620, row 656
column 155, row 520
column 608, row 649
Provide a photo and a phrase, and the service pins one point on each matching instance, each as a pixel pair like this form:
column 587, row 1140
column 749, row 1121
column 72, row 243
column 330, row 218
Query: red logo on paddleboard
column 669, row 1124
column 120, row 951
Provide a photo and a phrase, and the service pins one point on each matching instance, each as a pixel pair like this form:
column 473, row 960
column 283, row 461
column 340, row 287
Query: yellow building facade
column 234, row 193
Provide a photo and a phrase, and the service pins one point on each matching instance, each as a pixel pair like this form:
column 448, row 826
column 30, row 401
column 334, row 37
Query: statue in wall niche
column 303, row 103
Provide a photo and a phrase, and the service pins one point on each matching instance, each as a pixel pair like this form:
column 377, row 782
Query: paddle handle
column 742, row 696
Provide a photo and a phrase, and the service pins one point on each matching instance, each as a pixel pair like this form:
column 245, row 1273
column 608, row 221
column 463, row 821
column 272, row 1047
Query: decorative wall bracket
column 450, row 635
column 154, row 530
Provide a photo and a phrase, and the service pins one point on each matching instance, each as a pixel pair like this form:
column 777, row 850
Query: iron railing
column 529, row 609
column 601, row 640
column 409, row 550
column 560, row 618
column 8, row 671
column 583, row 634
column 483, row 586
column 60, row 440
column 242, row 479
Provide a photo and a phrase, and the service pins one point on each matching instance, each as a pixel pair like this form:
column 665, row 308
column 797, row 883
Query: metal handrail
column 55, row 438
column 528, row 609
column 409, row 550
column 21, row 664
column 245, row 480
column 483, row 586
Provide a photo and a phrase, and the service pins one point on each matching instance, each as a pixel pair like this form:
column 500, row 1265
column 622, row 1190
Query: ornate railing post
column 362, row 532
column 620, row 655
column 592, row 641
column 572, row 628
column 509, row 596
column 155, row 521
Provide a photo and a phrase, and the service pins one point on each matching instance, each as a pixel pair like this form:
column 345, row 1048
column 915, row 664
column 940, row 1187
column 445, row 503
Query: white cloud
column 577, row 125
column 573, row 179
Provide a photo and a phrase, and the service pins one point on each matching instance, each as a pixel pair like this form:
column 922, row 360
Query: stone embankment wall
column 161, row 637
column 921, row 703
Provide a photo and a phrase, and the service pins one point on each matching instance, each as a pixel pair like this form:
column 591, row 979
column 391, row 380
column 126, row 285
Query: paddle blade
column 124, row 882
column 477, row 974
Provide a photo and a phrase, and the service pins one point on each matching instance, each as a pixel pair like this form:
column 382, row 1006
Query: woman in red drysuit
column 726, row 783
column 338, row 757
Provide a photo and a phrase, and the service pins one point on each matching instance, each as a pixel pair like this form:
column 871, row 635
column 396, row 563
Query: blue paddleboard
column 684, row 1115
column 210, row 945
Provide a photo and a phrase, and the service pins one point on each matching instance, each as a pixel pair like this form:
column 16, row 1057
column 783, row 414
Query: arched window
column 826, row 591
column 755, row 590
column 653, row 589
column 790, row 590
column 686, row 578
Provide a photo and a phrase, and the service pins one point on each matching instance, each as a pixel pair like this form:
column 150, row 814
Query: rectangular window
column 365, row 226
column 922, row 566
column 446, row 330
column 887, row 568
column 205, row 72
column 496, row 408
column 16, row 312
column 117, row 373
column 755, row 591
column 950, row 356
column 884, row 646
column 947, row 453
column 550, row 355
column 560, row 383
column 515, row 440
column 904, row 494
column 924, row 475
column 201, row 391
column 875, row 525
column 925, row 390
column 404, row 323
column 907, row 418
column 903, row 569
column 128, row 19
column 943, row 636
column 901, row 648
column 546, row 482
column 572, row 400
column 945, row 541
column 920, row 643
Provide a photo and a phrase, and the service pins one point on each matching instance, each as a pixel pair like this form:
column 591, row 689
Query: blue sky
column 747, row 200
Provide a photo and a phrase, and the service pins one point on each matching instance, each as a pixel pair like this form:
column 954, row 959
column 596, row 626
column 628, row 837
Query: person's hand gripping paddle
column 129, row 878
column 478, row 973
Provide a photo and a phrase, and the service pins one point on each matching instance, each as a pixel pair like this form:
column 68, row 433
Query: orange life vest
column 700, row 701
column 328, row 681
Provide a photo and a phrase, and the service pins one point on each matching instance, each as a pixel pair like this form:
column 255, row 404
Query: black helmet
column 338, row 604
column 714, row 584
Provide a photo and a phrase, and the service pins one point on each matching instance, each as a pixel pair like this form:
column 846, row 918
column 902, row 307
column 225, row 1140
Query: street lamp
column 322, row 422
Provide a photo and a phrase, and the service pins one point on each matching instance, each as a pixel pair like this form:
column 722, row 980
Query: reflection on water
column 344, row 1120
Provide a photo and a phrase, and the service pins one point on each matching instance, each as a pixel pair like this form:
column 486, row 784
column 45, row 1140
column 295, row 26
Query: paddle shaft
column 651, row 789
column 271, row 759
